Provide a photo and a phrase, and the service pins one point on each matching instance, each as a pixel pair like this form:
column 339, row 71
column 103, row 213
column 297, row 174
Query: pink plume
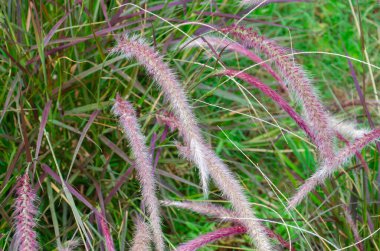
column 24, row 216
column 129, row 123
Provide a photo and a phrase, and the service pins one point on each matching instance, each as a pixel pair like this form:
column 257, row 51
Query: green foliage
column 247, row 130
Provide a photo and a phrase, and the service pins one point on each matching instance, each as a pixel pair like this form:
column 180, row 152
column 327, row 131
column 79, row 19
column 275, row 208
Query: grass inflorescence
column 262, row 134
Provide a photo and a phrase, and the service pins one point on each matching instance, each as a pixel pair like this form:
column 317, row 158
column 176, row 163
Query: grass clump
column 224, row 104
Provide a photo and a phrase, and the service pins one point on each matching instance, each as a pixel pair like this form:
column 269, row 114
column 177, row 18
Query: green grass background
column 233, row 117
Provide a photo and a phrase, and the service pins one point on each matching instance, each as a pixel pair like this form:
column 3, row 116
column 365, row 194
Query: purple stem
column 274, row 96
column 44, row 119
column 118, row 184
column 163, row 137
column 72, row 190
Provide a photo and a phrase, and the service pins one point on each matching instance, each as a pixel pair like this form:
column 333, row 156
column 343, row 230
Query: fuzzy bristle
column 128, row 121
column 24, row 215
column 142, row 237
column 201, row 153
column 329, row 167
column 298, row 83
column 106, row 233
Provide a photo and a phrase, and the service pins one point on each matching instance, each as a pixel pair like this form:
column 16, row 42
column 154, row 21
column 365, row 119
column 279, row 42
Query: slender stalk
column 274, row 96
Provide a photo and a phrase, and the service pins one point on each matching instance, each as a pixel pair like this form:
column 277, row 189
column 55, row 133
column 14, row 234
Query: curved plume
column 128, row 121
column 204, row 208
column 298, row 83
column 24, row 216
column 141, row 239
column 162, row 74
column 201, row 154
column 332, row 165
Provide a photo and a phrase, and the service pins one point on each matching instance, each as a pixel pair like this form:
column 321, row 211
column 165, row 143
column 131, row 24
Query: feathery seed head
column 201, row 154
column 174, row 93
column 24, row 215
column 168, row 119
column 348, row 129
column 298, row 83
column 144, row 168
column 331, row 165
column 123, row 108
column 142, row 237
column 106, row 233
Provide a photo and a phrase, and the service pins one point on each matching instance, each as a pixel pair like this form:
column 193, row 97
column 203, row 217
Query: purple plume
column 129, row 123
column 164, row 77
column 299, row 85
column 142, row 236
column 353, row 226
column 25, row 216
column 200, row 152
column 329, row 167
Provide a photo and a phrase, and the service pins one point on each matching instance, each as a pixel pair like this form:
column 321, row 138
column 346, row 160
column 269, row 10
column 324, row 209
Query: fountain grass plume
column 24, row 215
column 224, row 43
column 168, row 119
column 204, row 208
column 329, row 167
column 134, row 47
column 142, row 236
column 144, row 168
column 298, row 83
column 201, row 153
